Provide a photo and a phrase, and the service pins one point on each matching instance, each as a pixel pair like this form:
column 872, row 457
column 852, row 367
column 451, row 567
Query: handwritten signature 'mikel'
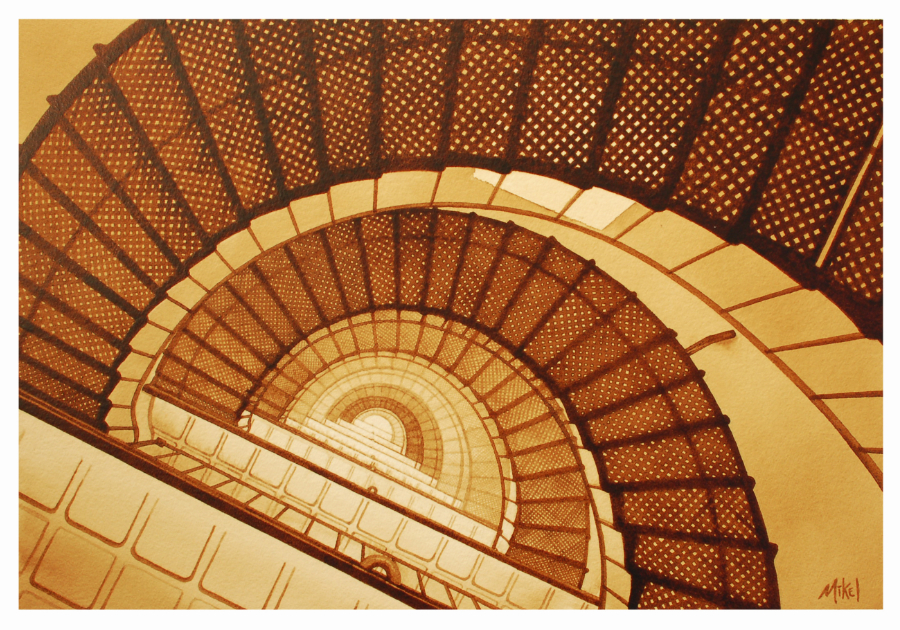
column 841, row 591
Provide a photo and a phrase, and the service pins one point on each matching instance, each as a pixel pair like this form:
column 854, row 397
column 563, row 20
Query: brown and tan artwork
column 453, row 314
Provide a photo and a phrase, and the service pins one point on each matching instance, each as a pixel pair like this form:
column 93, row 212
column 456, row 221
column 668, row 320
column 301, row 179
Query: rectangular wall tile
column 173, row 539
column 31, row 529
column 137, row 589
column 106, row 503
column 44, row 473
column 73, row 568
column 240, row 575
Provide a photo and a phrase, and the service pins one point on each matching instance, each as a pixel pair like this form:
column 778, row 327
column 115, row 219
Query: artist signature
column 841, row 591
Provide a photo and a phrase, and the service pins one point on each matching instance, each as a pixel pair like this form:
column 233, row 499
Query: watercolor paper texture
column 541, row 314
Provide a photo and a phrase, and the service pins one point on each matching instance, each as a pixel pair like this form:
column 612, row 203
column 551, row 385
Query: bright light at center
column 377, row 424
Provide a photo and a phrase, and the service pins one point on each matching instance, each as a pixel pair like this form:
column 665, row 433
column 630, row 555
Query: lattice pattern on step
column 827, row 143
column 856, row 257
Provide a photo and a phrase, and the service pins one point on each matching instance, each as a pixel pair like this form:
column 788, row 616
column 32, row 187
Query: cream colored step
column 398, row 465
column 369, row 428
column 369, row 432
